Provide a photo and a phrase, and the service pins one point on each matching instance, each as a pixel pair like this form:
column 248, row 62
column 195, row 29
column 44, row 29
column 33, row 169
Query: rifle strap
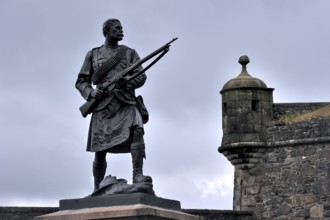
column 109, row 64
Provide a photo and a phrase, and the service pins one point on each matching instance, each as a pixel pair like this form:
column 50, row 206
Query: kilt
column 111, row 127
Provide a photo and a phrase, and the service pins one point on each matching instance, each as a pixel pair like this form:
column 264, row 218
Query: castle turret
column 247, row 108
column 281, row 151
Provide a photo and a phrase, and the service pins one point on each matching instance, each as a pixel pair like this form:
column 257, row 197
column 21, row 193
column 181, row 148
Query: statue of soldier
column 116, row 124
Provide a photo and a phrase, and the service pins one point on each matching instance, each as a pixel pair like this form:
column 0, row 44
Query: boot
column 98, row 173
column 137, row 161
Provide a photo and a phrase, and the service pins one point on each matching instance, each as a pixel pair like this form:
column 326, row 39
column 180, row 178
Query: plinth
column 119, row 206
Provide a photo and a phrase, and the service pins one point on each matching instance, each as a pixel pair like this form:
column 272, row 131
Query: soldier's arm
column 141, row 79
column 83, row 83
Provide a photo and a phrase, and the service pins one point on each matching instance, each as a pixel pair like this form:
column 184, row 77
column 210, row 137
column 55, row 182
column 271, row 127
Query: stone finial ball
column 244, row 60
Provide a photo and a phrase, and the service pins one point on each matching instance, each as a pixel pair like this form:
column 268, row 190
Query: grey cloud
column 43, row 135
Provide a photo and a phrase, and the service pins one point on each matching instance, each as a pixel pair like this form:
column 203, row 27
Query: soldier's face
column 115, row 32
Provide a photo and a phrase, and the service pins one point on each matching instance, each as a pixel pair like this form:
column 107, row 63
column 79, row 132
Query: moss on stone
column 291, row 118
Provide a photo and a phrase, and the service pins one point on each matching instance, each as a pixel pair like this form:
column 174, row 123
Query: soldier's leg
column 99, row 168
column 138, row 153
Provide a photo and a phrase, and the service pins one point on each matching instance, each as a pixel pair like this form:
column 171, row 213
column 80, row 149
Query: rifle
column 88, row 106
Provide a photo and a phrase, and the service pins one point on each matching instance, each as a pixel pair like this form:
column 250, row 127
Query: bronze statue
column 116, row 123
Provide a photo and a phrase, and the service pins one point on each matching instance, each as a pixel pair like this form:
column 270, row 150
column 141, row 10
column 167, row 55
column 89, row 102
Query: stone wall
column 280, row 109
column 292, row 179
column 305, row 132
column 221, row 214
column 24, row 213
column 290, row 182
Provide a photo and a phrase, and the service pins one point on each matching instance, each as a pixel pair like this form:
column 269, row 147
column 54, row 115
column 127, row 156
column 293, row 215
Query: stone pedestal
column 119, row 200
column 119, row 206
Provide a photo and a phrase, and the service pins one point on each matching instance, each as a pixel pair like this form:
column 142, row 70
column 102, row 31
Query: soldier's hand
column 122, row 83
column 97, row 94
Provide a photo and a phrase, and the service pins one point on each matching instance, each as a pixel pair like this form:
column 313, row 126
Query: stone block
column 252, row 190
column 248, row 201
column 311, row 198
column 231, row 105
column 266, row 215
column 257, row 128
column 257, row 171
column 231, row 138
column 245, row 96
column 249, row 181
column 310, row 150
column 304, row 213
column 245, row 128
column 283, row 210
column 131, row 212
column 297, row 201
column 325, row 154
column 249, row 137
column 308, row 171
column 230, row 95
column 328, row 187
column 317, row 188
column 316, row 211
column 118, row 200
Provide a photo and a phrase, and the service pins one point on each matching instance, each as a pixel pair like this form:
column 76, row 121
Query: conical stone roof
column 244, row 79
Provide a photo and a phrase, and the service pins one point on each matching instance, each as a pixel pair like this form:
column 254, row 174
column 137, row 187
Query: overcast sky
column 43, row 45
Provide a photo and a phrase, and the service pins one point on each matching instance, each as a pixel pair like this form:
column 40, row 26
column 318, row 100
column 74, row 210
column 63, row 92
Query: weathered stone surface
column 24, row 213
column 29, row 213
column 283, row 210
column 252, row 190
column 248, row 201
column 297, row 201
column 284, row 160
column 119, row 200
column 316, row 211
column 293, row 185
column 281, row 109
column 311, row 198
column 308, row 171
column 119, row 212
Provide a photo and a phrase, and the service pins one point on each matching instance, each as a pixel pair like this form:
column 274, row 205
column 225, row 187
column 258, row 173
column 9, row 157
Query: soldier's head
column 112, row 29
